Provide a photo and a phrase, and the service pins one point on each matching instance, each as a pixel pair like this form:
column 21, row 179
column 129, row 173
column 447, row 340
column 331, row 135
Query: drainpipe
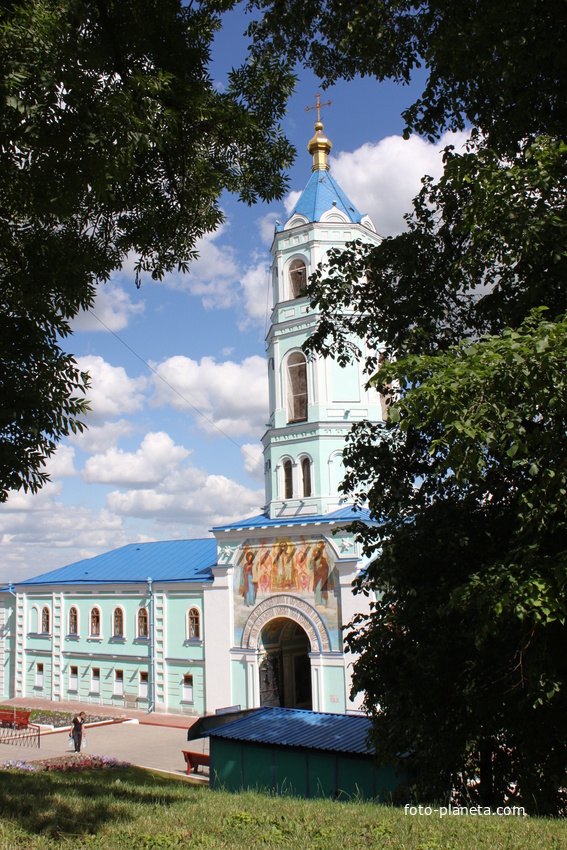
column 152, row 652
column 15, row 595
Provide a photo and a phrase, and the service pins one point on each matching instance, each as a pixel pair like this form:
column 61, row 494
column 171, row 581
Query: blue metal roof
column 292, row 727
column 343, row 515
column 320, row 195
column 169, row 560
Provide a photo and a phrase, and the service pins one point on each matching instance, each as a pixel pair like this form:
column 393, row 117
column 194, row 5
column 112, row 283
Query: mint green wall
column 7, row 645
column 175, row 673
column 345, row 383
column 239, row 684
column 334, row 686
column 131, row 653
column 177, row 608
column 32, row 660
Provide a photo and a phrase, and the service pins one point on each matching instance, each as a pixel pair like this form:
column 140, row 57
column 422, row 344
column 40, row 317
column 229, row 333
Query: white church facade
column 254, row 615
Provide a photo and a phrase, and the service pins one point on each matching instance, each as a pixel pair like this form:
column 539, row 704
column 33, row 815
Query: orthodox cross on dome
column 319, row 146
column 318, row 106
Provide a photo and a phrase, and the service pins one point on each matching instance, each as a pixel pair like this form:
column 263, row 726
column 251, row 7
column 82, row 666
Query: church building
column 253, row 616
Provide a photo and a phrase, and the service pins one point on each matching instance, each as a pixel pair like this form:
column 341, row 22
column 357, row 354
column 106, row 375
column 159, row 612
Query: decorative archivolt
column 291, row 608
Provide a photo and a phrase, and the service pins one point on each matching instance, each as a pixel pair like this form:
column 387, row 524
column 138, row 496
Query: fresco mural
column 305, row 568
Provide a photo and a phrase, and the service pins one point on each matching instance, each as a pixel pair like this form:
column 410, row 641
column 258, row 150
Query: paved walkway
column 153, row 745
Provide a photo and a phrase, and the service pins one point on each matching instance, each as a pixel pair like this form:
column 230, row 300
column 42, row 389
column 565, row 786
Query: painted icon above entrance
column 304, row 569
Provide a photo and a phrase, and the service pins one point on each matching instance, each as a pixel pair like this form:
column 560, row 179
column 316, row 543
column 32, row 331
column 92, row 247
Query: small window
column 143, row 623
column 95, row 622
column 119, row 683
column 306, row 476
column 95, row 680
column 288, row 479
column 118, row 622
column 143, row 686
column 73, row 621
column 73, row 678
column 296, row 387
column 39, row 675
column 45, row 621
column 297, row 279
column 194, row 631
column 187, row 688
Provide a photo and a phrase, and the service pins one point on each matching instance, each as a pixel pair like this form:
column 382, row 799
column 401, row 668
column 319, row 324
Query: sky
column 179, row 393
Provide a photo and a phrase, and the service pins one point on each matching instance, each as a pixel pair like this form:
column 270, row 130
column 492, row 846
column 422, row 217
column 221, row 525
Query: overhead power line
column 176, row 391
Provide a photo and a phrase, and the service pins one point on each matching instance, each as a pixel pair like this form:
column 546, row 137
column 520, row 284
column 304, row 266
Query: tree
column 464, row 655
column 461, row 660
column 114, row 140
column 498, row 67
column 484, row 245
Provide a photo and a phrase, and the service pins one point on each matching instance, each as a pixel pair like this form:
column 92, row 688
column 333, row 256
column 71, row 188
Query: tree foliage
column 114, row 140
column 500, row 67
column 462, row 660
column 484, row 245
column 465, row 651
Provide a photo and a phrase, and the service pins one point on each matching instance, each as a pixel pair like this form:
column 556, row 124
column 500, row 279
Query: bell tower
column 313, row 401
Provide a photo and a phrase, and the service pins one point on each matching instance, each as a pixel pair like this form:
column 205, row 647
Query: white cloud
column 233, row 396
column 266, row 226
column 253, row 455
column 112, row 392
column 113, row 306
column 61, row 464
column 291, row 200
column 214, row 276
column 192, row 497
column 23, row 503
column 156, row 457
column 99, row 438
column 257, row 293
column 39, row 533
column 382, row 179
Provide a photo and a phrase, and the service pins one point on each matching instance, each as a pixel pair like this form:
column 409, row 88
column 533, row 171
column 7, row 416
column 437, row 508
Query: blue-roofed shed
column 304, row 753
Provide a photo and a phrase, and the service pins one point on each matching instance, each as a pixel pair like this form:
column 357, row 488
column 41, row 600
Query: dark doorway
column 271, row 680
column 285, row 671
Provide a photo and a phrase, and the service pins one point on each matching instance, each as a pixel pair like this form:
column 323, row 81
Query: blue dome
column 321, row 194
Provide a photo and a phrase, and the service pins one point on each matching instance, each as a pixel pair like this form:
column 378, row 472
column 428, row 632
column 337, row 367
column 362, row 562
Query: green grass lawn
column 134, row 808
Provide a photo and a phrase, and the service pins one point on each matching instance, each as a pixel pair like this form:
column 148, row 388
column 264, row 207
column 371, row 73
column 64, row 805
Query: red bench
column 195, row 759
column 14, row 720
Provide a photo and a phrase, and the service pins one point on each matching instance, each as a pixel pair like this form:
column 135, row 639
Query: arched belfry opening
column 285, row 668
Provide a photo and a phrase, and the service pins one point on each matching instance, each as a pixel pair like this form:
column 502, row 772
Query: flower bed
column 61, row 719
column 71, row 762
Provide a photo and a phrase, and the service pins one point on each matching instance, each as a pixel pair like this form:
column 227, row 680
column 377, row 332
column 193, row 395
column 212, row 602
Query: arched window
column 296, row 387
column 73, row 621
column 118, row 622
column 194, row 624
column 306, row 476
column 143, row 623
column 95, row 622
column 34, row 617
column 297, row 278
column 45, row 620
column 288, row 479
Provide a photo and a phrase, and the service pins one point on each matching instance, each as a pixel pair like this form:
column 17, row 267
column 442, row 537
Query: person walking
column 77, row 730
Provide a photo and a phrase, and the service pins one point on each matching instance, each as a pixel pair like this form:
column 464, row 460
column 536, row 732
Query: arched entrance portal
column 285, row 670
